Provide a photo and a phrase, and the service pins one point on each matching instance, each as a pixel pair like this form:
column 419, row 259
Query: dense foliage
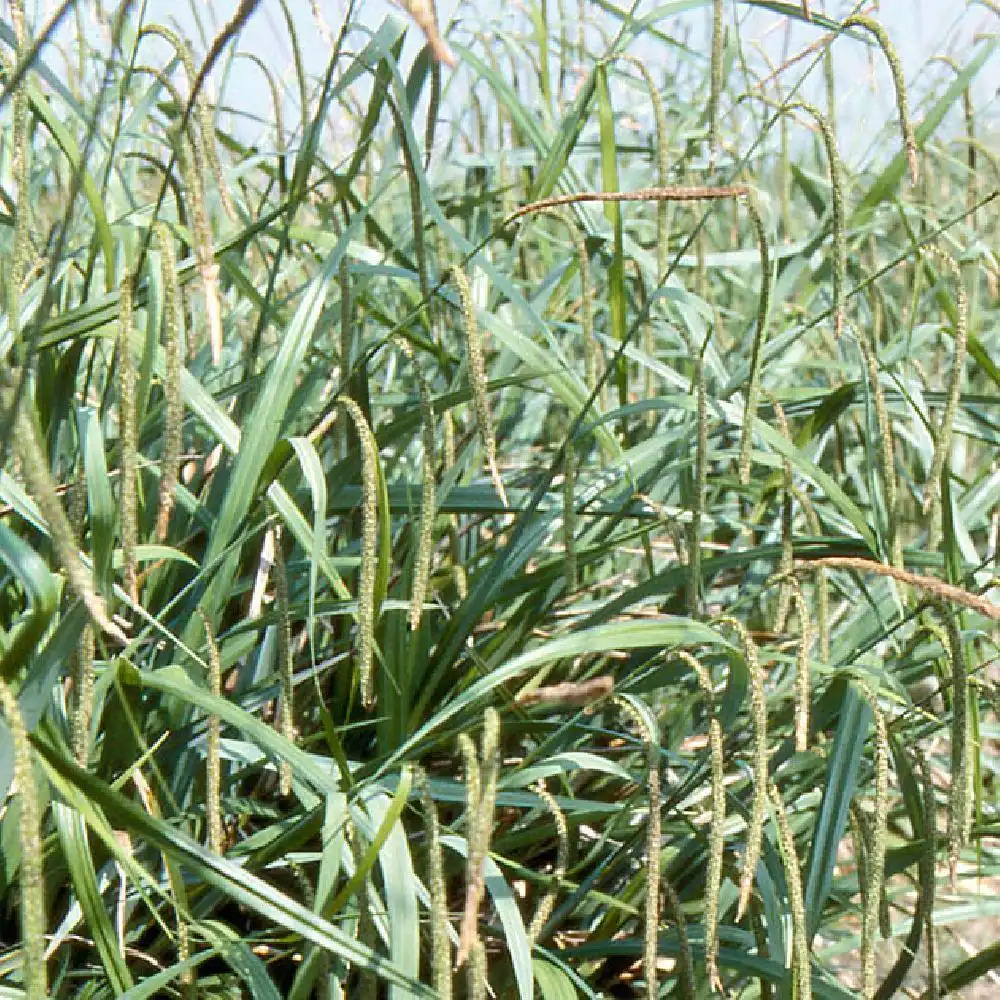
column 424, row 570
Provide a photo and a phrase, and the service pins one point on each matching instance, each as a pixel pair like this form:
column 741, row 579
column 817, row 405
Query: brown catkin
column 213, row 737
column 469, row 928
column 801, row 971
column 899, row 83
column 31, row 875
column 802, row 679
column 758, row 720
column 365, row 646
column 548, row 901
column 129, row 434
column 21, row 258
column 476, row 360
column 757, row 351
column 173, row 351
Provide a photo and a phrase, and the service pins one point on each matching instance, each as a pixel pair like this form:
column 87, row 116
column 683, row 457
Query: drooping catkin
column 481, row 778
column 836, row 211
column 83, row 685
column 801, row 972
column 213, row 737
column 428, row 498
column 440, row 946
column 715, row 80
column 129, row 435
column 21, row 257
column 899, row 83
column 787, row 551
column 172, row 348
column 757, row 352
column 886, row 442
column 960, row 799
column 42, row 488
column 476, row 971
column 476, row 360
column 548, row 901
column 31, row 880
column 822, row 593
column 874, row 881
column 758, row 720
column 942, row 438
column 569, row 517
column 365, row 646
column 651, row 920
column 928, row 872
column 716, row 836
column 802, row 679
column 454, row 545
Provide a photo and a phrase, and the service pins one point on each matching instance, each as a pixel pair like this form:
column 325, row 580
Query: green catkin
column 716, row 837
column 42, row 488
column 428, row 498
column 685, row 960
column 822, row 591
column 757, row 354
column 21, row 167
column 83, row 684
column 787, row 550
column 286, row 708
column 548, row 901
column 942, row 439
column 758, row 719
column 802, row 680
column 365, row 647
column 875, row 838
column 928, row 866
column 476, row 359
column 801, row 972
column 902, row 99
column 836, row 209
column 886, row 443
column 569, row 517
column 457, row 566
column 213, row 737
column 693, row 596
column 173, row 424
column 440, row 946
column 201, row 139
column 651, row 922
column 715, row 81
column 960, row 800
column 31, row 881
column 129, row 434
